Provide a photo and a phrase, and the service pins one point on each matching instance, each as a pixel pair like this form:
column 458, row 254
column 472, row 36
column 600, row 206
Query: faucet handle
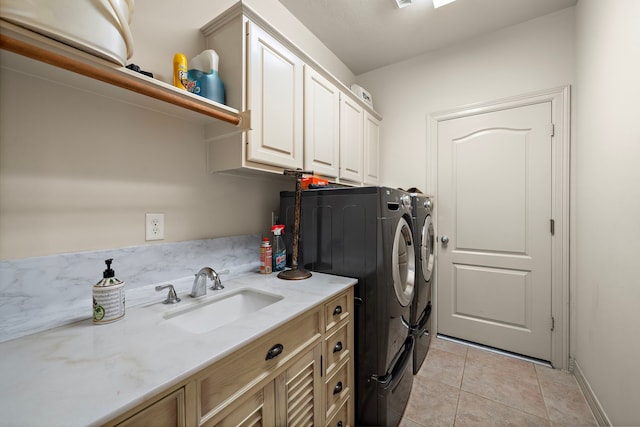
column 217, row 283
column 172, row 297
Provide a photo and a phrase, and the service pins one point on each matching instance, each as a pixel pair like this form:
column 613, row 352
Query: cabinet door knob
column 337, row 310
column 338, row 347
column 275, row 351
column 339, row 424
column 338, row 388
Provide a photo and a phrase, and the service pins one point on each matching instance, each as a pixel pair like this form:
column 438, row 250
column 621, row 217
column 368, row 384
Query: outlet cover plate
column 154, row 226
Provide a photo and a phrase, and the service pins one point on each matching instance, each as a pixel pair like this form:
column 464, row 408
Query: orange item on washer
column 313, row 180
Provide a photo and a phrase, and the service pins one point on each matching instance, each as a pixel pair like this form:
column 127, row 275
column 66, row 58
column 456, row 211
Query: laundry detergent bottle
column 279, row 249
column 203, row 76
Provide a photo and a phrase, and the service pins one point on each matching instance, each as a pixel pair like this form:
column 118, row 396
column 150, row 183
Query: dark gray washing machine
column 366, row 233
column 421, row 306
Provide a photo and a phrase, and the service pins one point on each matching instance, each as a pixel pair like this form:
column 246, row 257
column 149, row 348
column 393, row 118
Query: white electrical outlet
column 154, row 226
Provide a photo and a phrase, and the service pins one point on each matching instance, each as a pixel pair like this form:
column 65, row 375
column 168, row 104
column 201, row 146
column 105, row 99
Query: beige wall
column 536, row 55
column 78, row 171
column 607, row 232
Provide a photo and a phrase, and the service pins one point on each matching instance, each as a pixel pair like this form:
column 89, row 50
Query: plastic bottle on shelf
column 180, row 70
column 203, row 76
column 279, row 249
column 265, row 256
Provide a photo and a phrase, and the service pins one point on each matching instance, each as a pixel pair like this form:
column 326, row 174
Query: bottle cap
column 277, row 229
column 108, row 272
column 109, row 276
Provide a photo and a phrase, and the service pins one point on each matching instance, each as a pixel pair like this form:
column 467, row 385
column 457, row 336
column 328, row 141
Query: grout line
column 544, row 399
column 464, row 367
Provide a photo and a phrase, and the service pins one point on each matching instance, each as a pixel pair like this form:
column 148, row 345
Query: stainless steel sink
column 211, row 313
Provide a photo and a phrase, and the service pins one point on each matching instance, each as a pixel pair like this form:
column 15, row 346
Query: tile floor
column 460, row 385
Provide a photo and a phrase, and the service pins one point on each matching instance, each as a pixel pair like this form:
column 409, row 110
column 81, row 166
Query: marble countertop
column 85, row 374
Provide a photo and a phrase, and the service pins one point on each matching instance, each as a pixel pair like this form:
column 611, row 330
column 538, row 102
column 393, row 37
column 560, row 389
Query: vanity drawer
column 343, row 416
column 337, row 309
column 337, row 347
column 246, row 367
column 338, row 387
column 168, row 411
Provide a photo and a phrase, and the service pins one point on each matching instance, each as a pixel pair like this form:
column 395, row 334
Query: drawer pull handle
column 338, row 347
column 275, row 351
column 337, row 310
column 339, row 424
column 338, row 388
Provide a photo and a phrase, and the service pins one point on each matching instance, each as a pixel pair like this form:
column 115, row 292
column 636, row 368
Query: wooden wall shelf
column 31, row 53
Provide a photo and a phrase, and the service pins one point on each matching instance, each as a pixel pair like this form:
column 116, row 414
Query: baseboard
column 592, row 400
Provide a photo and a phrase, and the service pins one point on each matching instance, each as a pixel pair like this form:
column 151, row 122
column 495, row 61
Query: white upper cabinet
column 371, row 149
column 321, row 121
column 275, row 96
column 351, row 140
column 297, row 114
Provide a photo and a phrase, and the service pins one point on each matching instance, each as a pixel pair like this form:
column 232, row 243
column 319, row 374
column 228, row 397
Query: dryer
column 366, row 233
column 425, row 261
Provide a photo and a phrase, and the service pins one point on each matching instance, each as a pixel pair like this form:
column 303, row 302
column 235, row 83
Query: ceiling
column 368, row 34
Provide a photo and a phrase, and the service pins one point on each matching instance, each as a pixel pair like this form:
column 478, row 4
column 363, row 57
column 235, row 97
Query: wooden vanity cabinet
column 300, row 373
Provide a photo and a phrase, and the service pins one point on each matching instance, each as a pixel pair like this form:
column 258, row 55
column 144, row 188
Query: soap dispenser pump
column 108, row 297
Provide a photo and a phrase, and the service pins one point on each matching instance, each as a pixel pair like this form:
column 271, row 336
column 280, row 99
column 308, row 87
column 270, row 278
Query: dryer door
column 427, row 256
column 403, row 263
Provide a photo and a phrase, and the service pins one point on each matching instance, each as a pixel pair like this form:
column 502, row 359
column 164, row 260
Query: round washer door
column 403, row 263
column 427, row 256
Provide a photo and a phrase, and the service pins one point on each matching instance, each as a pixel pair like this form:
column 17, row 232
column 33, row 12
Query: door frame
column 560, row 203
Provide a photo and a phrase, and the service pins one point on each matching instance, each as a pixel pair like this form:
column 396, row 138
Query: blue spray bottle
column 279, row 250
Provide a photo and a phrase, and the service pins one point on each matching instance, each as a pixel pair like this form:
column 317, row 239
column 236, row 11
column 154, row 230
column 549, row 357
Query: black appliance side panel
column 339, row 235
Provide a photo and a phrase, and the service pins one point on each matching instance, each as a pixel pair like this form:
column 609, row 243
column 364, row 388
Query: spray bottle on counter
column 279, row 249
column 265, row 256
column 108, row 297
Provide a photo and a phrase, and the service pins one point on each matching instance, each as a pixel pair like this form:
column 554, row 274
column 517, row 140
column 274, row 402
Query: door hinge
column 552, row 129
column 552, row 226
column 553, row 323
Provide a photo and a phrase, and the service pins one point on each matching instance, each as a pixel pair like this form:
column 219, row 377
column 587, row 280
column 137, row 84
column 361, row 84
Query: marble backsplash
column 42, row 293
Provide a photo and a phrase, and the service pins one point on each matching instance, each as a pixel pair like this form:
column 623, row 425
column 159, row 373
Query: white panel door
column 275, row 96
column 494, row 248
column 351, row 140
column 322, row 124
column 371, row 149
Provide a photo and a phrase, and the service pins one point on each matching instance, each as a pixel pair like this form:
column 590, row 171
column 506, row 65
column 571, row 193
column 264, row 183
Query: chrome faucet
column 200, row 282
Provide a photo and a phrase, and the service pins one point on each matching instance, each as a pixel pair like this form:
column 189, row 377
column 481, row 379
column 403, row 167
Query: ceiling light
column 439, row 3
column 403, row 3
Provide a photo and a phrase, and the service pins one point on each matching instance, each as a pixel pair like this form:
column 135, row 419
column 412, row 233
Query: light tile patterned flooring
column 460, row 385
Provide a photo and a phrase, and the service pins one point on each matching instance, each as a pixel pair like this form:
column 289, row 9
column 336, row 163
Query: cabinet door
column 257, row 409
column 321, row 124
column 274, row 97
column 301, row 387
column 371, row 149
column 351, row 140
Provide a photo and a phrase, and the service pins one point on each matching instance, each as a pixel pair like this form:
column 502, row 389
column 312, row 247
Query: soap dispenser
column 108, row 297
